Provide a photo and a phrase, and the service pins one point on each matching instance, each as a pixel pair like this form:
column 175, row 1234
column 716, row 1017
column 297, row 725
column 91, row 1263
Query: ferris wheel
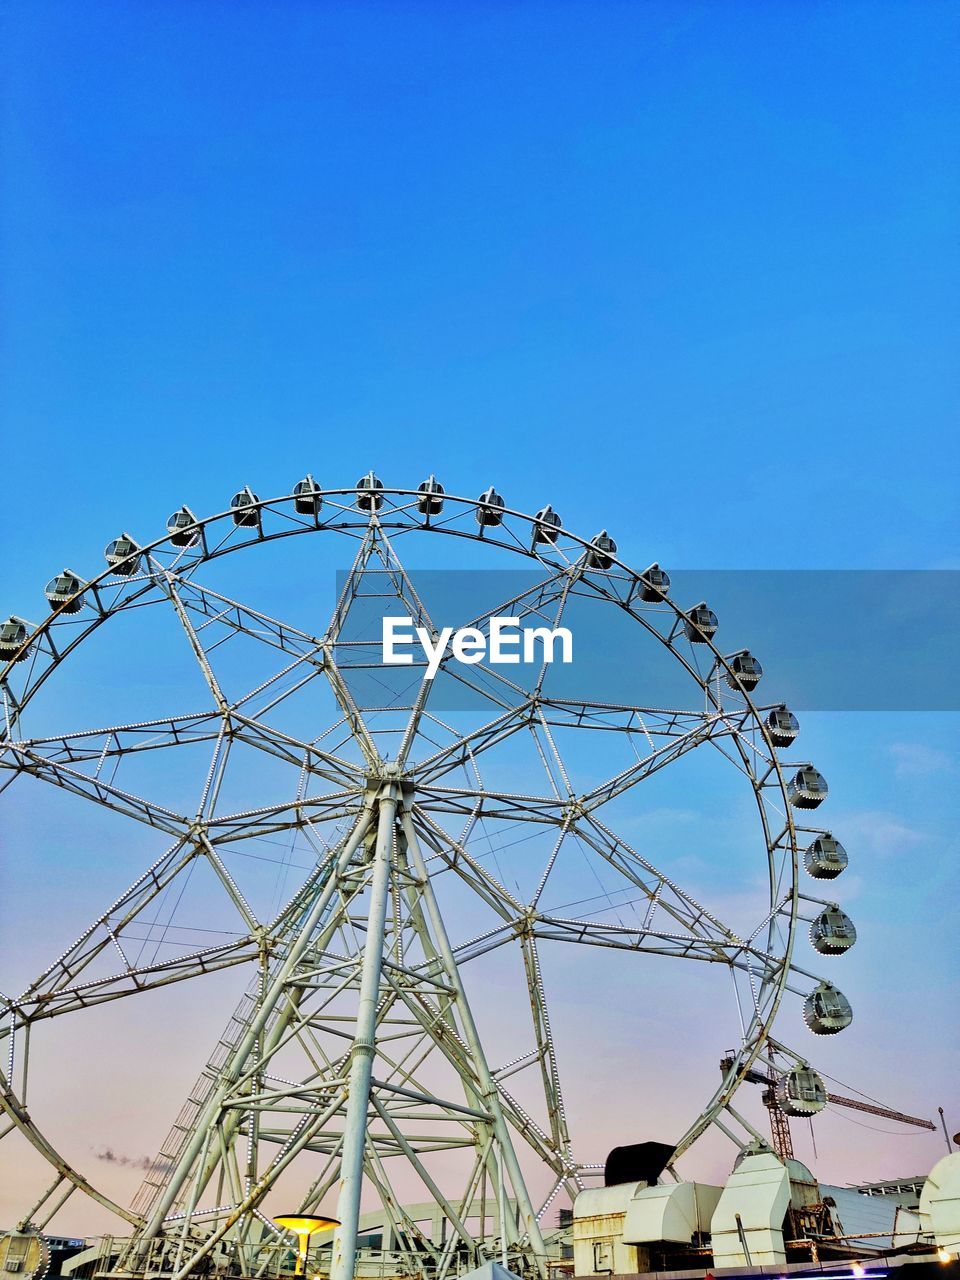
column 414, row 828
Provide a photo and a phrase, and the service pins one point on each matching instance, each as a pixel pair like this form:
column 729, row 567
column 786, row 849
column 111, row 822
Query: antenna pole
column 945, row 1133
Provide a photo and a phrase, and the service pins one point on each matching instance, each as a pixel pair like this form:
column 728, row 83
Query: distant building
column 903, row 1191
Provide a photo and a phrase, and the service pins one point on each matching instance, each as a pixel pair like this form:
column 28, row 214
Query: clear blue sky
column 689, row 271
column 708, row 251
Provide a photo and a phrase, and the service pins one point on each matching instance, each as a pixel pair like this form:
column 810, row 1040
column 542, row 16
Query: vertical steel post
column 488, row 1088
column 503, row 1211
column 943, row 1125
column 364, row 1046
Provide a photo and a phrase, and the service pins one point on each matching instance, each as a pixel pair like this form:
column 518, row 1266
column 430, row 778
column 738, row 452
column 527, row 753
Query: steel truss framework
column 355, row 1041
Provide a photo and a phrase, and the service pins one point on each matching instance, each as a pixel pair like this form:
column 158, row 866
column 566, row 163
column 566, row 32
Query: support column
column 364, row 1046
column 488, row 1086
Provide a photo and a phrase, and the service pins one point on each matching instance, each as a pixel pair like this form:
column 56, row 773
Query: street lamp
column 303, row 1226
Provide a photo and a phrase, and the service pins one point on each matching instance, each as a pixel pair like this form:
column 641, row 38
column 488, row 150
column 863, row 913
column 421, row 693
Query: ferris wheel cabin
column 123, row 555
column 825, row 858
column 65, row 592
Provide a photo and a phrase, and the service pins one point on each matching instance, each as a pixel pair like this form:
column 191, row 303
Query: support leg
column 361, row 1057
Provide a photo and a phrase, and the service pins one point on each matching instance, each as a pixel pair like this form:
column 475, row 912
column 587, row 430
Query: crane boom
column 886, row 1112
column 780, row 1123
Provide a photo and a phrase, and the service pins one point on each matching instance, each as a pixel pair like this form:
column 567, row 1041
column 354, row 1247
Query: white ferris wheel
column 415, row 828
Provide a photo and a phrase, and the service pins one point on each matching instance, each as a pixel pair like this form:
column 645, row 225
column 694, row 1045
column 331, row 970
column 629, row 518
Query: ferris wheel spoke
column 103, row 932
column 298, row 674
column 308, row 756
column 37, row 765
column 374, row 556
column 123, row 929
column 224, row 617
column 550, row 758
column 462, row 752
column 744, row 754
column 661, row 893
column 536, row 1137
column 531, row 603
column 684, row 945
column 173, row 594
column 561, row 602
column 479, row 803
column 455, row 855
column 349, row 592
column 500, row 692
column 408, row 598
column 546, row 1051
column 60, row 759
column 633, row 719
column 116, row 740
column 221, row 617
column 526, row 605
column 505, row 698
column 285, row 816
column 681, row 732
column 707, row 729
column 134, row 980
column 491, row 940
column 311, row 653
column 656, row 889
column 351, row 712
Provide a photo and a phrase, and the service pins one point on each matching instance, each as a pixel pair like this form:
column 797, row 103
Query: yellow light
column 944, row 1255
column 303, row 1226
column 858, row 1270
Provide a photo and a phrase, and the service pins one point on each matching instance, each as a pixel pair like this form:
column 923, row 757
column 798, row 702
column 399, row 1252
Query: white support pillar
column 364, row 1046
column 488, row 1088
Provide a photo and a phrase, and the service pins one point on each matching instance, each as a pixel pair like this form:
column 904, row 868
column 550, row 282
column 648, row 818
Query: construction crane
column 780, row 1122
